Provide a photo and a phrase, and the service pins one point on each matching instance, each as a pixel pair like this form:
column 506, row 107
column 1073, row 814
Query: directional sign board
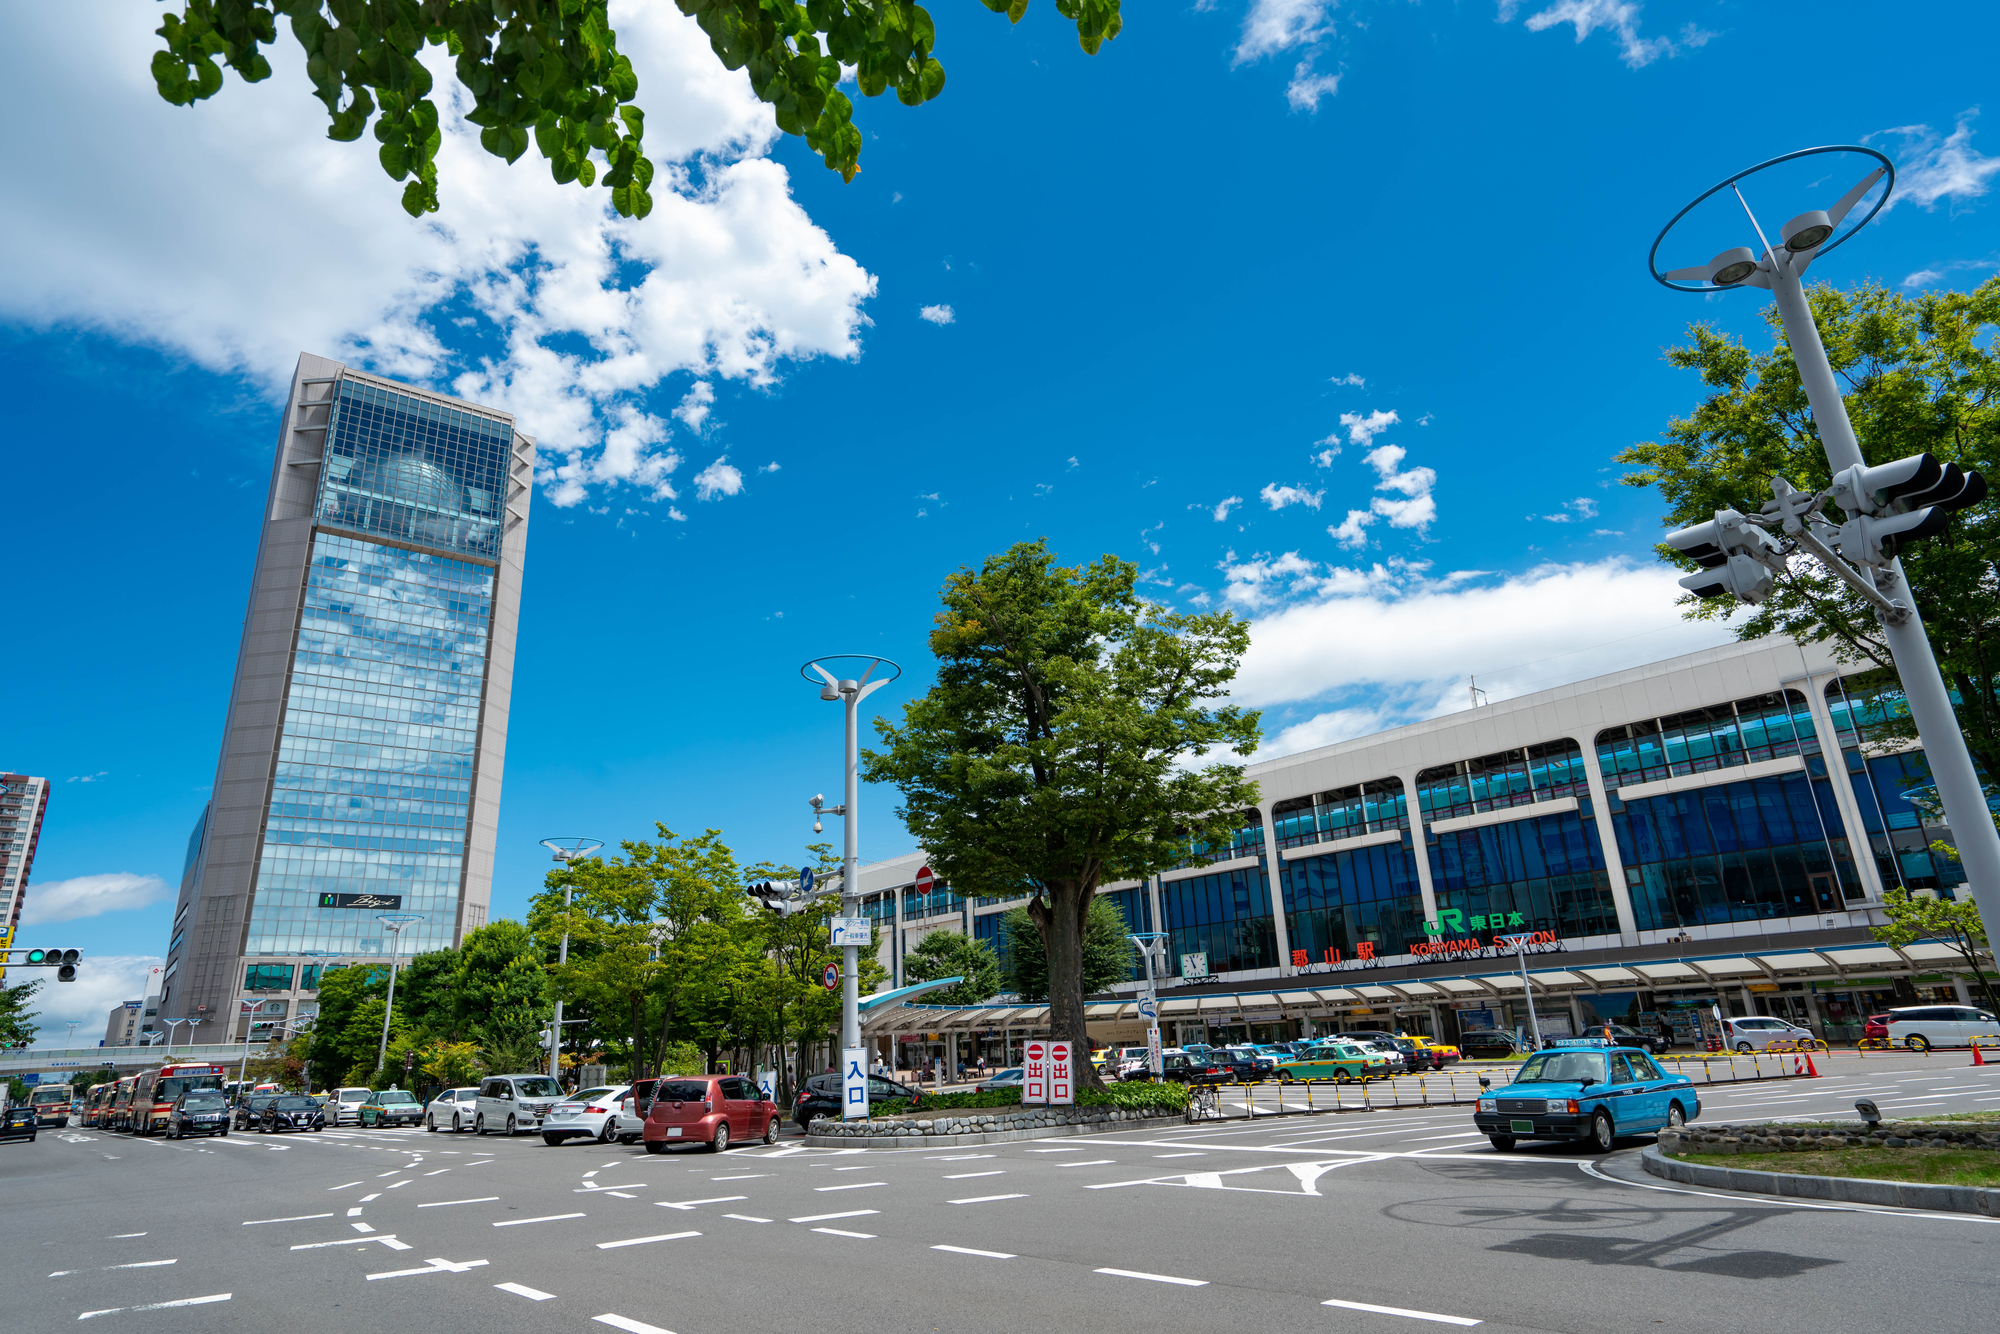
column 851, row 931
column 1062, row 1076
column 1035, row 1072
column 1153, row 1062
column 806, row 880
column 831, row 978
column 853, row 1082
column 1148, row 1008
column 925, row 880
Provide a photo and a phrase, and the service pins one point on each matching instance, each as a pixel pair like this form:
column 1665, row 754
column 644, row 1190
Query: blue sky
column 1333, row 315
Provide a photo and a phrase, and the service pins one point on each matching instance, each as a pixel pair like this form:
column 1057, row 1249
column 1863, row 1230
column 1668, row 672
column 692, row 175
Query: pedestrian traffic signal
column 1738, row 559
column 1892, row 505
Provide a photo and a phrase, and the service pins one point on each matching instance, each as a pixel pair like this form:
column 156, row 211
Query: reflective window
column 267, row 977
column 1136, row 906
column 1510, row 778
column 1338, row 903
column 1226, row 916
column 1720, row 736
column 1365, row 808
column 1544, row 873
column 410, row 468
column 374, row 776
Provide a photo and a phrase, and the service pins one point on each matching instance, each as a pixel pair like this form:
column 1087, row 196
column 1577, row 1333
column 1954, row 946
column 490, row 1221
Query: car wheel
column 430, row 1124
column 1676, row 1118
column 656, row 1146
column 1602, row 1133
column 607, row 1132
column 553, row 1141
column 1504, row 1143
column 1917, row 1042
column 510, row 1125
column 1285, row 1077
column 1743, row 1047
column 1342, row 1077
column 479, row 1124
column 771, row 1131
column 720, row 1144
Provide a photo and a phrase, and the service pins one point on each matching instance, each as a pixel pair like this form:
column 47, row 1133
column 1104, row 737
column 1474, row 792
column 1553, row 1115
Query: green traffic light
column 36, row 956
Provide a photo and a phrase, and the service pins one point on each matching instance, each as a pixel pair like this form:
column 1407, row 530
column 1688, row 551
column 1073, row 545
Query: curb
column 1841, row 1190
column 989, row 1136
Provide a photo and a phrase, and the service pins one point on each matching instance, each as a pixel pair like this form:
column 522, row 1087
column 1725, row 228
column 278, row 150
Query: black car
column 200, row 1112
column 820, row 1096
column 291, row 1112
column 1488, row 1044
column 250, row 1108
column 1180, row 1067
column 18, row 1123
column 1241, row 1064
column 1622, row 1036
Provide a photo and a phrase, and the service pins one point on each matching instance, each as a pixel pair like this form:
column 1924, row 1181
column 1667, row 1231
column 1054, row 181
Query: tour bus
column 118, row 1104
column 97, row 1104
column 51, row 1103
column 155, row 1091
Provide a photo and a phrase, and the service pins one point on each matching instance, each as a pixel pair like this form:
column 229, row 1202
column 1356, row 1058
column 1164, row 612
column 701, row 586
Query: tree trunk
column 1061, row 921
column 666, row 1027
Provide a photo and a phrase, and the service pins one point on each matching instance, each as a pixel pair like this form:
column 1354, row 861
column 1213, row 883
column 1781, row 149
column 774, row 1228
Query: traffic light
column 409, row 1060
column 777, row 897
column 63, row 961
column 1737, row 559
column 1892, row 505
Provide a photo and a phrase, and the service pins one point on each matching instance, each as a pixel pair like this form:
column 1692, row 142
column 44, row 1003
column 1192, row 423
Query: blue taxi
column 1585, row 1089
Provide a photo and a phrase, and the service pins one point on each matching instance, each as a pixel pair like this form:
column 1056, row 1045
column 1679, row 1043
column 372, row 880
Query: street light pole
column 1527, row 987
column 566, row 850
column 1148, row 942
column 1781, row 270
column 395, row 923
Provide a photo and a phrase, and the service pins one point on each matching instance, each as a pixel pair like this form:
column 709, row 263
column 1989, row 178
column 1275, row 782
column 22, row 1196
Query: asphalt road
column 1296, row 1222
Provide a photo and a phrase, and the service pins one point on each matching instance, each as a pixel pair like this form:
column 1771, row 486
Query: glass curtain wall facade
column 1348, row 812
column 1542, row 772
column 1546, row 873
column 1721, row 736
column 1337, row 903
column 1900, row 831
column 1226, row 916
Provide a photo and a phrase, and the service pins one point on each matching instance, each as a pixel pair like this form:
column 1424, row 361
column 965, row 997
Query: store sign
column 361, row 901
column 1496, row 946
column 854, row 1083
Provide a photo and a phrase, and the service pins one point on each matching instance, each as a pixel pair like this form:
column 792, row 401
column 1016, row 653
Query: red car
column 1876, row 1027
column 716, row 1110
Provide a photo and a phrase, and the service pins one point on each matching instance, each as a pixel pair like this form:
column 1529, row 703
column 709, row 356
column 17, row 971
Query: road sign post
column 847, row 931
column 830, row 979
column 853, row 1083
column 1035, row 1072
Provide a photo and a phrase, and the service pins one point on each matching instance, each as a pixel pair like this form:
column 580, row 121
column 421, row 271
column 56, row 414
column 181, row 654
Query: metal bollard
column 1423, row 1093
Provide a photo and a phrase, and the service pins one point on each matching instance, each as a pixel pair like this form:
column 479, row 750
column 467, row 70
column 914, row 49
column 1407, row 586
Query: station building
column 1706, row 830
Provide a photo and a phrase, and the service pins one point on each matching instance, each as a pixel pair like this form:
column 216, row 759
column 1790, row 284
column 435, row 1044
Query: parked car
column 1008, row 1079
column 452, row 1108
column 1413, row 1056
column 513, row 1103
column 1620, row 1035
column 1241, row 1064
column 1338, row 1061
column 1578, row 1091
column 1921, row 1027
column 344, row 1105
column 1185, row 1067
column 390, row 1107
column 1876, row 1026
column 717, row 1110
column 590, row 1113
column 1444, row 1052
column 632, row 1109
column 198, row 1112
column 1399, row 1063
column 1488, row 1043
column 292, row 1112
column 1758, row 1031
column 251, row 1106
column 820, row 1096
column 18, row 1122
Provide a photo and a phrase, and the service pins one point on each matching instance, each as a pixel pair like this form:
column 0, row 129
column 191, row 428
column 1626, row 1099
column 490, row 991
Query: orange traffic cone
column 1812, row 1070
column 1977, row 1058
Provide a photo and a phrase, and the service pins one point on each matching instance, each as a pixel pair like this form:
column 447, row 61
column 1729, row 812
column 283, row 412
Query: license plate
column 1522, row 1127
column 673, row 1132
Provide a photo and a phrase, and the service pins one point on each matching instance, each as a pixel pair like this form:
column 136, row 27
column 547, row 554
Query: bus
column 154, row 1093
column 51, row 1103
column 96, row 1105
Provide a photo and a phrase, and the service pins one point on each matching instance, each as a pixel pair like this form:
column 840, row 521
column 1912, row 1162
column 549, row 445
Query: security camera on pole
column 850, row 691
column 1887, row 507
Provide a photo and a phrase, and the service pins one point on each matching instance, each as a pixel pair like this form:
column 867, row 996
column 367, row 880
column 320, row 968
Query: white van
column 1758, row 1031
column 1921, row 1027
column 514, row 1104
column 344, row 1105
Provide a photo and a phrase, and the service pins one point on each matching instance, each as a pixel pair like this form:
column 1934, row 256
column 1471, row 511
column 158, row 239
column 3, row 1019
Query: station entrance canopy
column 1832, row 967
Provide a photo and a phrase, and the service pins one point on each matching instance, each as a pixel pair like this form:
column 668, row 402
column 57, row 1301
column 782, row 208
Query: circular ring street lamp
column 566, row 851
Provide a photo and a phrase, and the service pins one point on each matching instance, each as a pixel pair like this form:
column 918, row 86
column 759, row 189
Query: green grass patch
column 1987, row 1117
column 1931, row 1167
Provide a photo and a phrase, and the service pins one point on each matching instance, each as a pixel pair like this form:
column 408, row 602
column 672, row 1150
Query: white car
column 590, row 1113
column 1758, row 1031
column 512, row 1104
column 344, row 1105
column 1921, row 1027
column 452, row 1108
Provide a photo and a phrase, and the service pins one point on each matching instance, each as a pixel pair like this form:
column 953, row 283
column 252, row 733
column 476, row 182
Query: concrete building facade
column 24, row 801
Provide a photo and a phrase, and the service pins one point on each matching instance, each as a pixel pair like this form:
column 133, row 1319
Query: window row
column 1799, row 881
column 1348, row 812
column 1775, row 811
column 1545, row 845
column 1544, row 772
column 1744, row 731
column 1572, row 905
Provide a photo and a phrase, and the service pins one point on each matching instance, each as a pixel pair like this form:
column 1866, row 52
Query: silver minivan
column 344, row 1105
column 1921, row 1027
column 516, row 1104
column 1758, row 1031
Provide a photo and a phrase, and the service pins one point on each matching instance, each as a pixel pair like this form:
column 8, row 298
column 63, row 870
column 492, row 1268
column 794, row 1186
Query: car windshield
column 394, row 1096
column 683, row 1090
column 542, row 1087
column 294, row 1104
column 588, row 1094
column 205, row 1101
column 1562, row 1067
column 351, row 1095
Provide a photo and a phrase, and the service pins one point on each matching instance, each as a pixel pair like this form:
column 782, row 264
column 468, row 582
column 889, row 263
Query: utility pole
column 567, row 851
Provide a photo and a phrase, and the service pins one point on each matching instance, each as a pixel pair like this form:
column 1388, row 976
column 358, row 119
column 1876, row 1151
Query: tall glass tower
column 361, row 759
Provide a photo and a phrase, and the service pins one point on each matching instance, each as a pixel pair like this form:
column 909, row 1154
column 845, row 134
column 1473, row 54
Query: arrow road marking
column 433, row 1266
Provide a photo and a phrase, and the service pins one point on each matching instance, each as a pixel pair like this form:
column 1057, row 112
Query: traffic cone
column 1977, row 1057
column 1812, row 1070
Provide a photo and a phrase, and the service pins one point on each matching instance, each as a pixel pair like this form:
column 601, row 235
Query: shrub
column 1139, row 1096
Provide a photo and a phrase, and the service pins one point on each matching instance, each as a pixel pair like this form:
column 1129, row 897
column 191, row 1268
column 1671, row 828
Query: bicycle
column 1204, row 1104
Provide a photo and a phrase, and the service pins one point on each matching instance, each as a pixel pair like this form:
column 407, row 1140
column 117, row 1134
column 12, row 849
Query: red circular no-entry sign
column 831, row 978
column 925, row 879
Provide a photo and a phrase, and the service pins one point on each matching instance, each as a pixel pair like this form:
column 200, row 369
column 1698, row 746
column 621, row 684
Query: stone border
column 1000, row 1129
column 1799, row 1137
column 1848, row 1190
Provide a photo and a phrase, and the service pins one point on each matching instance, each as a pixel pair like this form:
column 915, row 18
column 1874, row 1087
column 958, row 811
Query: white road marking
column 1475, row 1134
column 545, row 1218
column 689, row 1204
column 404, row 1182
column 756, row 1175
column 1397, row 1310
column 641, row 1241
column 852, row 1185
column 963, row 1176
column 355, row 1212
column 386, row 1238
column 836, row 1232
column 160, row 1306
column 985, row 1199
column 746, row 1218
column 344, row 1186
column 433, row 1266
column 821, row 1218
column 1074, row 1148
column 124, row 1236
column 439, row 1204
column 1089, row 1162
column 390, row 1173
column 957, row 1157
column 967, row 1250
column 441, row 1169
column 299, row 1219
column 1180, row 1155
column 591, row 1173
column 141, row 1264
column 376, row 1196
column 361, row 1227
column 521, row 1290
column 1155, row 1278
column 593, row 1187
column 629, row 1326
column 621, row 1194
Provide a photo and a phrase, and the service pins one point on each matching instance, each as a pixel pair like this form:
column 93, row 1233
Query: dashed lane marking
column 689, row 1204
column 641, row 1241
column 160, row 1306
column 376, row 1196
column 822, row 1218
column 361, row 1227
column 387, row 1239
column 301, row 1218
column 545, row 1218
column 1154, row 1278
column 344, row 1185
column 124, row 1236
column 621, row 1195
column 986, row 1199
column 965, row 1176
column 757, row 1176
column 1090, row 1162
column 441, row 1169
column 355, row 1212
column 140, row 1264
column 836, row 1232
column 967, row 1250
column 1397, row 1310
column 522, row 1290
column 432, row 1266
column 628, row 1325
column 852, row 1185
column 746, row 1218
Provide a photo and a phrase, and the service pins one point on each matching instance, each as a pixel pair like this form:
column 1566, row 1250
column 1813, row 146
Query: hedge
column 1169, row 1097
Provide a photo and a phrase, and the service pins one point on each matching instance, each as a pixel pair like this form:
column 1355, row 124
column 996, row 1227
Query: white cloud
column 294, row 242
column 695, row 406
column 718, row 479
column 1391, row 628
column 1573, row 511
column 1272, row 26
column 1926, row 277
column 1325, row 729
column 1350, row 379
column 101, row 982
column 938, row 314
column 1277, row 497
column 1073, row 463
column 1222, row 510
column 1326, row 457
column 91, row 896
column 1352, row 532
column 1620, row 18
column 772, row 466
column 1922, row 278
column 1418, row 509
column 97, row 777
column 1938, row 167
column 1261, row 580
column 1307, row 88
column 1361, row 429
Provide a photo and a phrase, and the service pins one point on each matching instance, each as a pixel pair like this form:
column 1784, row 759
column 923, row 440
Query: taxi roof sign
column 1585, row 1042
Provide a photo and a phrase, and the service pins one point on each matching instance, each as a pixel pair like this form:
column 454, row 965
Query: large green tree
column 1108, row 955
column 1922, row 374
column 1925, row 916
column 1062, row 745
column 551, row 69
column 17, row 1021
column 949, row 953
